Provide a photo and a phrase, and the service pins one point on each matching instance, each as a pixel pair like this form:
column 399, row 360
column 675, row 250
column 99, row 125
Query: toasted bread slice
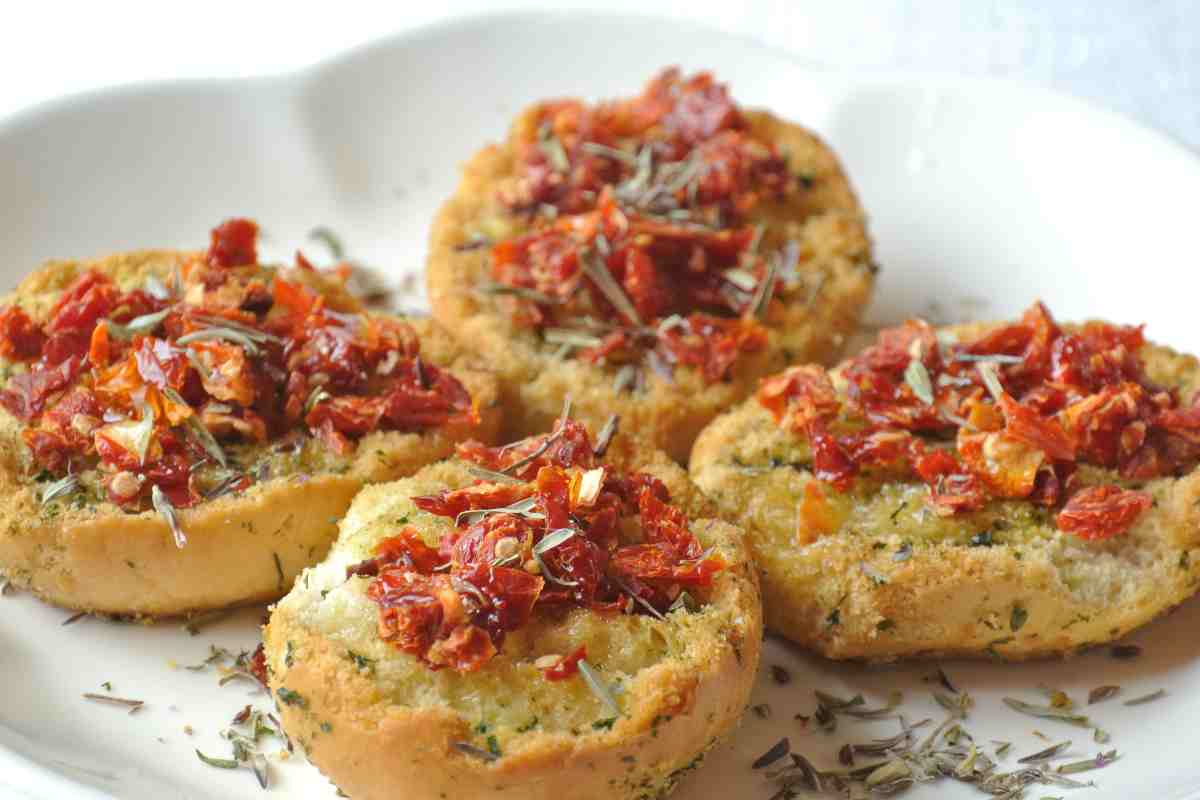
column 814, row 310
column 876, row 572
column 82, row 551
column 373, row 718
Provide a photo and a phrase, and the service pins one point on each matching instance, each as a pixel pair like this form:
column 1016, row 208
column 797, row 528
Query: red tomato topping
column 1101, row 512
column 555, row 539
column 687, row 126
column 640, row 224
column 243, row 359
column 20, row 338
column 1026, row 402
column 667, row 290
column 234, row 244
column 567, row 666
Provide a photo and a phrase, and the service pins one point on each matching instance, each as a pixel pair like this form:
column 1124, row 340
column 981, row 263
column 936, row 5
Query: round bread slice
column 817, row 231
column 255, row 524
column 659, row 690
column 885, row 569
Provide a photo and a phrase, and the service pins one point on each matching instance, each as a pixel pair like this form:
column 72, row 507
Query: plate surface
column 983, row 196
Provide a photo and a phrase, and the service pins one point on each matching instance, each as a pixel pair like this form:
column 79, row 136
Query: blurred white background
column 1139, row 57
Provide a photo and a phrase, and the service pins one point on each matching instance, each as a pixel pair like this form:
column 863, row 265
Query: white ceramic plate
column 983, row 197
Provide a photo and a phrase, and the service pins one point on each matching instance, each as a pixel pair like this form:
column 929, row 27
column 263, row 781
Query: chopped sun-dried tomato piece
column 712, row 344
column 567, row 666
column 27, row 392
column 807, row 386
column 89, row 299
column 234, row 244
column 1046, row 434
column 1101, row 512
column 20, row 338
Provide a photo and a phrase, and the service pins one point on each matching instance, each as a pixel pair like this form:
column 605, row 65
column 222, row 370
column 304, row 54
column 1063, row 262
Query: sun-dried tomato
column 711, row 344
column 161, row 363
column 85, row 302
column 1046, row 434
column 675, row 119
column 830, row 462
column 638, row 261
column 409, row 550
column 27, row 392
column 1065, row 398
column 568, row 445
column 20, row 338
column 1101, row 512
column 567, row 666
column 234, row 243
column 452, row 503
column 261, row 356
column 496, row 567
column 806, row 387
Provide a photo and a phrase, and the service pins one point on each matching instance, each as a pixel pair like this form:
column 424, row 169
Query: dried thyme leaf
column 221, row 763
column 765, row 290
column 594, row 268
column 1102, row 693
column 475, row 752
column 686, row 602
column 491, row 288
column 835, row 703
column 330, row 240
column 535, row 454
column 1147, row 698
column 917, row 378
column 597, row 149
column 491, row 475
column 1100, row 760
column 132, row 705
column 996, row 358
column 944, row 680
column 553, row 149
column 625, row 378
column 606, row 436
column 991, row 378
column 777, row 751
column 1047, row 712
column 570, row 337
column 1045, row 755
column 522, row 508
column 167, row 511
column 60, row 488
column 221, row 333
column 602, row 692
column 138, row 326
